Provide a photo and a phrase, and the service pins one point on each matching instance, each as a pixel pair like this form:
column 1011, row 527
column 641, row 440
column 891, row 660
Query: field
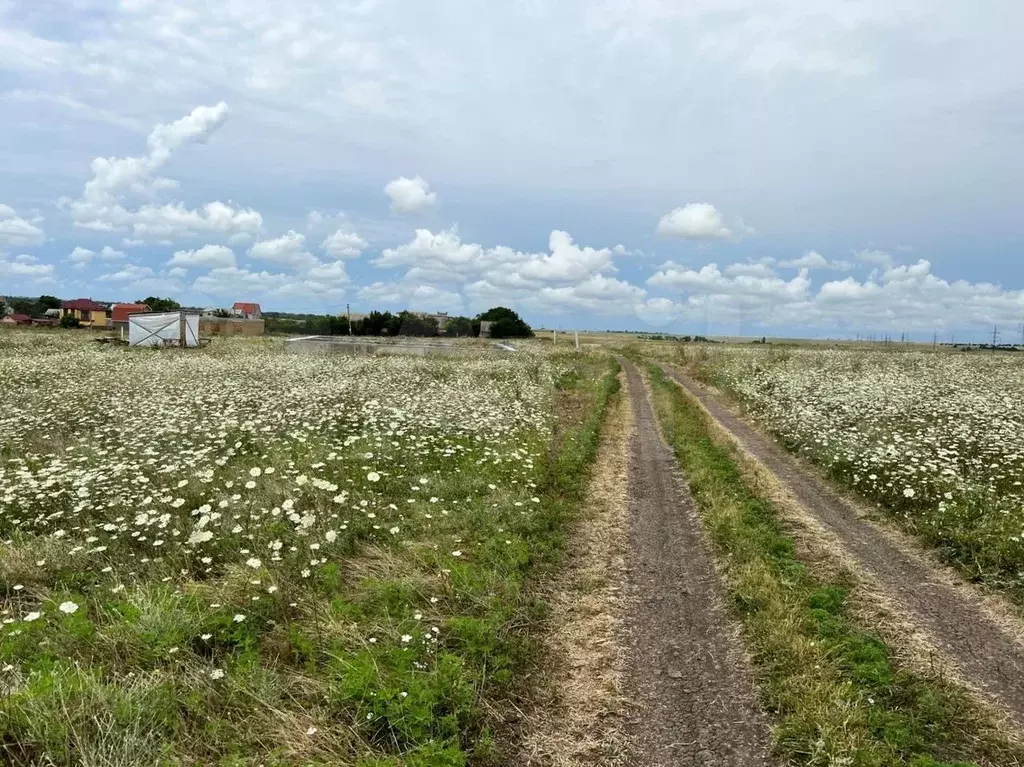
column 236, row 556
column 933, row 438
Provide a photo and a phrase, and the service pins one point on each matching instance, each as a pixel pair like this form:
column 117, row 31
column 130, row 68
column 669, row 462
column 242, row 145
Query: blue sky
column 826, row 167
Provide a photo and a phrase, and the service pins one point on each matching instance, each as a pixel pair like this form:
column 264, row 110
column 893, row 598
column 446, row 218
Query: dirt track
column 693, row 698
column 987, row 656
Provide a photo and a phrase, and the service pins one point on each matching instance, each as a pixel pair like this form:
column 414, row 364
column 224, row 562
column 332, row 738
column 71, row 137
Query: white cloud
column 103, row 204
column 127, row 273
column 444, row 257
column 80, row 256
column 25, row 266
column 410, row 195
column 872, row 256
column 177, row 272
column 695, row 221
column 399, row 295
column 750, row 270
column 211, row 256
column 657, row 312
column 756, row 293
column 232, row 281
column 287, row 250
column 812, row 259
column 17, row 231
column 343, row 244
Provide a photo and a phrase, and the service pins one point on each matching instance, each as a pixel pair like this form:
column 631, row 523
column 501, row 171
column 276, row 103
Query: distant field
column 936, row 439
column 237, row 556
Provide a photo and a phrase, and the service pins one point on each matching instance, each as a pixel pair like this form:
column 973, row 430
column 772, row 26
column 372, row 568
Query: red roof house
column 86, row 311
column 17, row 319
column 120, row 312
column 247, row 310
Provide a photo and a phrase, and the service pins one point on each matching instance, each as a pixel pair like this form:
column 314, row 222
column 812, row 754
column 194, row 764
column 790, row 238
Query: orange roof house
column 120, row 312
column 250, row 311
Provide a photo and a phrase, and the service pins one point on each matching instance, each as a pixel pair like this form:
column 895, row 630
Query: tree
column 410, row 324
column 69, row 321
column 24, row 306
column 379, row 324
column 458, row 326
column 49, row 302
column 160, row 304
column 505, row 323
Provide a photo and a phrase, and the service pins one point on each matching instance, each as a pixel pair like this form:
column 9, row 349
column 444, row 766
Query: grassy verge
column 386, row 624
column 832, row 686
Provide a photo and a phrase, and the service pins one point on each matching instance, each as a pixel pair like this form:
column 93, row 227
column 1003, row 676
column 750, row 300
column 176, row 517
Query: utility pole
column 348, row 313
column 935, row 340
column 554, row 337
column 995, row 335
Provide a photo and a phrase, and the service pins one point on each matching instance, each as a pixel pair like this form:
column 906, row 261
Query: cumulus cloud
column 812, row 259
column 18, row 232
column 443, row 256
column 879, row 257
column 410, row 195
column 748, row 269
column 27, row 267
column 695, row 221
column 286, row 250
column 657, row 311
column 116, row 181
column 230, row 281
column 80, row 256
column 127, row 273
column 210, row 256
column 343, row 244
column 901, row 297
column 412, row 296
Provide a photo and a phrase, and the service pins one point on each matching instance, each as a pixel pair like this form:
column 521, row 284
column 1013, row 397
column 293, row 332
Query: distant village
column 243, row 318
column 248, row 319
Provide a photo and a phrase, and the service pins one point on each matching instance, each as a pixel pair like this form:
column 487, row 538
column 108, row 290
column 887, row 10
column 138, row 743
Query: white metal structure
column 163, row 329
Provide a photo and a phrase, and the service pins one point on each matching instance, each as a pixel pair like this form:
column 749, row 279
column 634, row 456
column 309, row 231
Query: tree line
column 505, row 323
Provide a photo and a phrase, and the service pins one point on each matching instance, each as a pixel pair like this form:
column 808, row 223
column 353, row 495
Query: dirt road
column 693, row 698
column 987, row 655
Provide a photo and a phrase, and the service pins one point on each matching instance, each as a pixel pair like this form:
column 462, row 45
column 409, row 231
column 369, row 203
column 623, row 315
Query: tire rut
column 693, row 697
column 988, row 657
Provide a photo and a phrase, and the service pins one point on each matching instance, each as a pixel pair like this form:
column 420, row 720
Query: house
column 440, row 317
column 247, row 310
column 119, row 313
column 89, row 313
column 16, row 319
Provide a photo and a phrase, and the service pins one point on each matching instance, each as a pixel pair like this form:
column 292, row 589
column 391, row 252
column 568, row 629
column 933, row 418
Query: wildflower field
column 935, row 439
column 238, row 556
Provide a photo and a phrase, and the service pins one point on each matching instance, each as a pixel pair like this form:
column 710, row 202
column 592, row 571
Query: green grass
column 832, row 686
column 321, row 677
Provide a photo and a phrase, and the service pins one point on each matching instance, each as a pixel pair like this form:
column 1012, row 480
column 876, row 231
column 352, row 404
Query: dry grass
column 578, row 724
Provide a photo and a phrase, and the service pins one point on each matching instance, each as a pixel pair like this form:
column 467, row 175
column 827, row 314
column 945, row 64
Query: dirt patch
column 693, row 700
column 954, row 620
column 580, row 723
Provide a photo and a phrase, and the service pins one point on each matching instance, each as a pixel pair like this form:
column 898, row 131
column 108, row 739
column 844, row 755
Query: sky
column 805, row 167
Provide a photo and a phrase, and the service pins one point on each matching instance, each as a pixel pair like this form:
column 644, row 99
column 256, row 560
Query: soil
column 693, row 700
column 988, row 656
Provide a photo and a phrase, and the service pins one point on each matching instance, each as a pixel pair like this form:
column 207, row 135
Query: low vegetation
column 235, row 556
column 933, row 438
column 832, row 685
